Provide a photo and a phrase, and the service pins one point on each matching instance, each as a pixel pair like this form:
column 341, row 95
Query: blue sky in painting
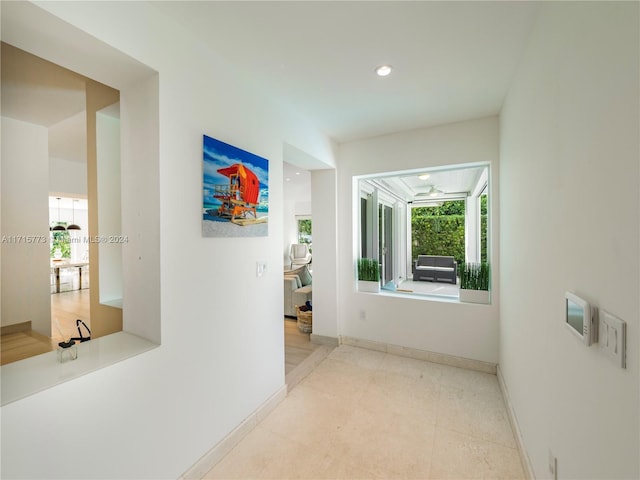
column 216, row 155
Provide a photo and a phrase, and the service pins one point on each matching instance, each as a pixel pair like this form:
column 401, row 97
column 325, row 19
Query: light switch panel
column 261, row 267
column 612, row 338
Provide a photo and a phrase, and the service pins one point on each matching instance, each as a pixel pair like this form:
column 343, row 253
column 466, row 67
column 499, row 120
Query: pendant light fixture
column 73, row 226
column 58, row 227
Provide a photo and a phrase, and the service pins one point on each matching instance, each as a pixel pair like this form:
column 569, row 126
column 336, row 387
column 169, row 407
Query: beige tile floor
column 364, row 414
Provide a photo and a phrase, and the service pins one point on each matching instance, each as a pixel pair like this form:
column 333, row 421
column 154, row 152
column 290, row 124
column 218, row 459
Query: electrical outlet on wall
column 261, row 268
column 612, row 338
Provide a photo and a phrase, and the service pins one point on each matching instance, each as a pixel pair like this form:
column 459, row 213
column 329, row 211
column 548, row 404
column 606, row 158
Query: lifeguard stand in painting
column 240, row 197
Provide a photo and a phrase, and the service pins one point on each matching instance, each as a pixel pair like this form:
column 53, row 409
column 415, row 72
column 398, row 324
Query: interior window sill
column 426, row 296
column 35, row 374
column 420, row 296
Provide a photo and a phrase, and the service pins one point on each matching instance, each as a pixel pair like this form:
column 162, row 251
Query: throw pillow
column 305, row 276
column 296, row 279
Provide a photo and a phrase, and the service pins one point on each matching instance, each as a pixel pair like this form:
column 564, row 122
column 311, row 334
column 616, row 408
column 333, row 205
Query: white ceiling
column 68, row 138
column 452, row 61
column 45, row 94
column 37, row 91
column 442, row 184
column 297, row 183
column 68, row 203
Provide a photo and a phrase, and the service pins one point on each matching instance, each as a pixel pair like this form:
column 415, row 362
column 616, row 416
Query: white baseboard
column 307, row 366
column 524, row 458
column 217, row 453
column 324, row 340
column 441, row 358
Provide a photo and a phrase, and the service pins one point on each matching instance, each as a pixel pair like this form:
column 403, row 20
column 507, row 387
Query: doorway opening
column 64, row 146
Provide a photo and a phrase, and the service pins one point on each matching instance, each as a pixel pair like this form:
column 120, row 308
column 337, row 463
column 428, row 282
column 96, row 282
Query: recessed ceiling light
column 424, row 176
column 297, row 173
column 287, row 179
column 383, row 70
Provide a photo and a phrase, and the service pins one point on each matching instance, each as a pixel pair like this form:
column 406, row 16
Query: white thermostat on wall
column 580, row 318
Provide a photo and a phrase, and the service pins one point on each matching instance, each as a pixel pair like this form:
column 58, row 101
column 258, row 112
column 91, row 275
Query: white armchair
column 299, row 254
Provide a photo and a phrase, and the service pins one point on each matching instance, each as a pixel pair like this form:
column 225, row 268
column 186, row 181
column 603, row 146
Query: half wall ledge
column 35, row 374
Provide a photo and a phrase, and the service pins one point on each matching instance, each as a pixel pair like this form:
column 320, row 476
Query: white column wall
column 464, row 330
column 25, row 215
column 569, row 222
column 289, row 229
column 325, row 291
column 109, row 208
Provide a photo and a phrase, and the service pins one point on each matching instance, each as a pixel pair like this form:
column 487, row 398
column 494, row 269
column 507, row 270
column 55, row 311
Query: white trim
column 433, row 357
column 482, row 184
column 209, row 460
column 324, row 340
column 524, row 458
column 307, row 365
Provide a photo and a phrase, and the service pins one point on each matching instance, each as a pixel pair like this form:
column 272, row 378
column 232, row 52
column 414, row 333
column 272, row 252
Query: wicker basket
column 305, row 320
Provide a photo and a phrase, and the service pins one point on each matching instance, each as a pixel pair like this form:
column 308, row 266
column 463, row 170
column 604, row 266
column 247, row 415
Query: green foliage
column 304, row 230
column 437, row 235
column 440, row 230
column 454, row 207
column 474, row 276
column 61, row 240
column 483, row 238
column 483, row 228
column 368, row 269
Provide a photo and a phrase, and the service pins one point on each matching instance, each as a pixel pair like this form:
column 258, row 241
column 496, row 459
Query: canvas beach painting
column 235, row 191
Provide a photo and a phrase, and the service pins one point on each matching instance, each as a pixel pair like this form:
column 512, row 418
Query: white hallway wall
column 464, row 330
column 154, row 415
column 67, row 177
column 325, row 291
column 25, row 212
column 569, row 202
column 296, row 202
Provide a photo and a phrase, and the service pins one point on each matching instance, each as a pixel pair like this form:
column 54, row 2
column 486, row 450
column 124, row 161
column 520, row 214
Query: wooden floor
column 297, row 346
column 18, row 346
column 65, row 309
column 68, row 306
